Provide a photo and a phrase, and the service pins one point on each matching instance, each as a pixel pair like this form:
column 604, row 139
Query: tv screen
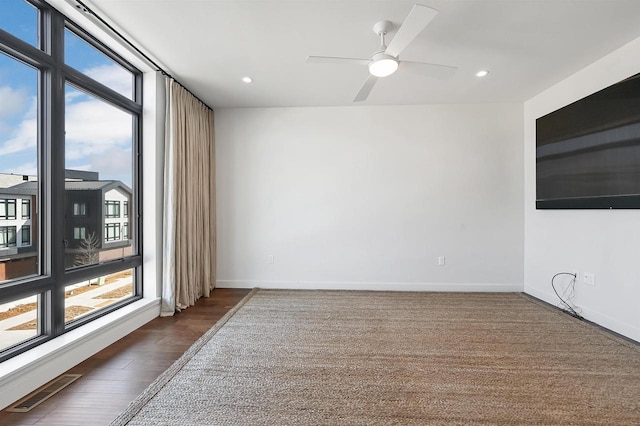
column 588, row 153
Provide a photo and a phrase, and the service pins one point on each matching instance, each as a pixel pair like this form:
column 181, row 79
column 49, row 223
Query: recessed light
column 482, row 73
column 247, row 79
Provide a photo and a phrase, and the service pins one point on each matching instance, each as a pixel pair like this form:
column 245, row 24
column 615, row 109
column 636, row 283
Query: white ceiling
column 528, row 45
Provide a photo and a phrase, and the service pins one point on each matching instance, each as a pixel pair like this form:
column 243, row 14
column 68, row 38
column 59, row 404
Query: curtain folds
column 189, row 228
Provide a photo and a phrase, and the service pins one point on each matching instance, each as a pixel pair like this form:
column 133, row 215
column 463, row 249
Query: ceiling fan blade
column 442, row 72
column 334, row 60
column 363, row 94
column 414, row 23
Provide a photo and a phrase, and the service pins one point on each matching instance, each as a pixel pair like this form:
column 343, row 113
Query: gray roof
column 31, row 188
column 25, row 188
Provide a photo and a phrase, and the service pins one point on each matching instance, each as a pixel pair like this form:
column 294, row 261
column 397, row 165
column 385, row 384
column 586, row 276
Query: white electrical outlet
column 271, row 260
column 441, row 260
column 589, row 278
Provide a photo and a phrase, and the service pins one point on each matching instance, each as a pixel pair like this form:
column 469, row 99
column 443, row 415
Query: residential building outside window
column 71, row 151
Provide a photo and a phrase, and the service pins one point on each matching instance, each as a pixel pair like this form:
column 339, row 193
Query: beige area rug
column 382, row 358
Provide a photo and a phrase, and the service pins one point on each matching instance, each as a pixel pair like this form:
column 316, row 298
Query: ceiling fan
column 385, row 61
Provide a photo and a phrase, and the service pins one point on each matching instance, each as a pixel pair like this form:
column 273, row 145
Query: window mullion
column 55, row 184
column 23, row 51
column 100, row 90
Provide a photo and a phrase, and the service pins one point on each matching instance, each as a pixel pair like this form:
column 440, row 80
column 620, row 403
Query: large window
column 69, row 158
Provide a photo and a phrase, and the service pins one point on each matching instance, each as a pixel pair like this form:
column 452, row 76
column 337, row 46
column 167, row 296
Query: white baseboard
column 374, row 286
column 599, row 318
column 28, row 371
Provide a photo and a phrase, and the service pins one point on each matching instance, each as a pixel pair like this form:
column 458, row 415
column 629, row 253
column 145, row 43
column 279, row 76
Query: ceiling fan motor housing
column 382, row 27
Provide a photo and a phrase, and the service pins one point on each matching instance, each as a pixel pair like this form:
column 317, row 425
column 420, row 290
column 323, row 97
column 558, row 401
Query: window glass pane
column 26, row 209
column 18, row 168
column 11, row 209
column 80, row 233
column 79, row 209
column 99, row 163
column 20, row 18
column 26, row 235
column 18, row 321
column 90, row 61
column 89, row 296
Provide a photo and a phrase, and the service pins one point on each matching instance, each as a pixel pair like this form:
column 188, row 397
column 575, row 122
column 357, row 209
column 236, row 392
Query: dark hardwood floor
column 116, row 375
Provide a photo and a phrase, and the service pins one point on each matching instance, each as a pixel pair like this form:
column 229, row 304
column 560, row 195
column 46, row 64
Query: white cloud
column 24, row 137
column 70, row 96
column 13, row 102
column 114, row 77
column 94, row 127
column 115, row 164
column 84, row 167
column 26, row 169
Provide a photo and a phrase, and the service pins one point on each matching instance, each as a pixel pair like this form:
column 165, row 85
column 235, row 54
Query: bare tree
column 88, row 251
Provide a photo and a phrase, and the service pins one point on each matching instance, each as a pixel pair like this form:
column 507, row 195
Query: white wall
column 603, row 242
column 369, row 197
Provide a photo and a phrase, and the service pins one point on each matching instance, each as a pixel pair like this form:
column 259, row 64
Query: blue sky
column 98, row 135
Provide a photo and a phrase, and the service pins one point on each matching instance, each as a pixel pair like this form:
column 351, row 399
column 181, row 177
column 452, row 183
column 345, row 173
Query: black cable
column 86, row 9
column 569, row 310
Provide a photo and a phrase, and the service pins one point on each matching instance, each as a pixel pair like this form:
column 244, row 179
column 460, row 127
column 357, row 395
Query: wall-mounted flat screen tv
column 588, row 153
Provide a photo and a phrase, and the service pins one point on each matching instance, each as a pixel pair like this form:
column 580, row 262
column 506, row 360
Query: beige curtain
column 190, row 201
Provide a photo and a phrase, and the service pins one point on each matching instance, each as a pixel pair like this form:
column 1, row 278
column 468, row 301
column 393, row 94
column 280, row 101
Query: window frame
column 11, row 209
column 81, row 210
column 116, row 209
column 116, row 232
column 52, row 278
column 5, row 235
column 81, row 233
column 6, row 203
column 26, row 228
column 26, row 202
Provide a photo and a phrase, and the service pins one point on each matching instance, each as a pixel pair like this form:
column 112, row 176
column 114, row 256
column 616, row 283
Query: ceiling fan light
column 383, row 65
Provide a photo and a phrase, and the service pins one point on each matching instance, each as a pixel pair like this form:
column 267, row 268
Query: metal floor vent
column 36, row 398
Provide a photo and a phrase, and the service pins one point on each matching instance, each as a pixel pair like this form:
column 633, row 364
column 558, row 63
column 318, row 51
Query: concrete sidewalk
column 87, row 299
